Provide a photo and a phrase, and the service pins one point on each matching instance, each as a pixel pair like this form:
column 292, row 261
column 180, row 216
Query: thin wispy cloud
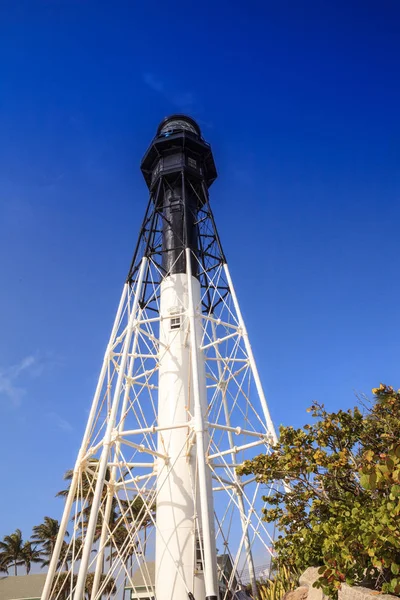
column 59, row 422
column 185, row 101
column 154, row 83
column 12, row 388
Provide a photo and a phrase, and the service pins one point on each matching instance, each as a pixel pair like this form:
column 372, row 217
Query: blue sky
column 300, row 103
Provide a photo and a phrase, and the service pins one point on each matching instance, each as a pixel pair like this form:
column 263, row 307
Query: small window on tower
column 175, row 322
column 192, row 163
column 199, row 556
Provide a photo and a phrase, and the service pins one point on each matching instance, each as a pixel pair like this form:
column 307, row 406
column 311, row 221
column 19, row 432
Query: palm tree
column 3, row 563
column 63, row 584
column 46, row 535
column 122, row 518
column 135, row 515
column 85, row 495
column 136, row 511
column 87, row 484
column 63, row 559
column 30, row 555
column 12, row 550
column 85, row 492
column 136, row 505
column 109, row 588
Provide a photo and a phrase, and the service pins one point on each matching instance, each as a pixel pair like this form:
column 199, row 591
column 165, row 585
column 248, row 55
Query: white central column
column 178, row 569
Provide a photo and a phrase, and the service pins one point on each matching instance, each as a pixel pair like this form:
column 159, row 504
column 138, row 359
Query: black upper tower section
column 179, row 168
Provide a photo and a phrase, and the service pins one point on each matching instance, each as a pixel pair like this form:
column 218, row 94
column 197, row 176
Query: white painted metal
column 176, row 499
column 82, row 451
column 202, row 439
column 87, row 547
column 110, row 491
column 190, row 400
column 261, row 395
column 237, row 487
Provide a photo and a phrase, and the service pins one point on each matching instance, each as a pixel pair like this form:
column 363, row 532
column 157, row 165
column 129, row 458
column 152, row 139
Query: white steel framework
column 127, row 465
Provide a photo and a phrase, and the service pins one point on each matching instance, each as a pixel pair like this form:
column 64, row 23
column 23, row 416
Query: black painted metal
column 178, row 168
column 177, row 157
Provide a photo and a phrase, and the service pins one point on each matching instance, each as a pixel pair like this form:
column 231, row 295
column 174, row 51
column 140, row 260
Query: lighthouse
column 179, row 404
column 180, row 166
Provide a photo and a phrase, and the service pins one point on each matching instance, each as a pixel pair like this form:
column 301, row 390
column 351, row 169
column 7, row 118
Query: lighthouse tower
column 154, row 495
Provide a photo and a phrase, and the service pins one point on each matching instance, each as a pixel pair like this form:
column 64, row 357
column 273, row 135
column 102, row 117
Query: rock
column 348, row 592
column 309, row 576
column 307, row 579
column 299, row 593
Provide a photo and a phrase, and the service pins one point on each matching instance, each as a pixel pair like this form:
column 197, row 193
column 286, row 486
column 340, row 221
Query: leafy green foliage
column 342, row 507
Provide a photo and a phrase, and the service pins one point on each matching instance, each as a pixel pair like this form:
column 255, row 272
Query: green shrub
column 342, row 509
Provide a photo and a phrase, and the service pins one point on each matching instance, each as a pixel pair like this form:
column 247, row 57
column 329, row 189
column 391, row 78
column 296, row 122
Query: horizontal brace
column 134, row 480
column 143, row 384
column 245, row 482
column 227, row 359
column 224, row 465
column 151, row 337
column 235, row 449
column 153, row 320
column 131, row 464
column 219, row 340
column 142, row 448
column 239, row 431
column 154, row 429
column 224, row 481
column 138, row 355
column 142, row 489
column 173, row 315
column 219, row 322
column 132, row 380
